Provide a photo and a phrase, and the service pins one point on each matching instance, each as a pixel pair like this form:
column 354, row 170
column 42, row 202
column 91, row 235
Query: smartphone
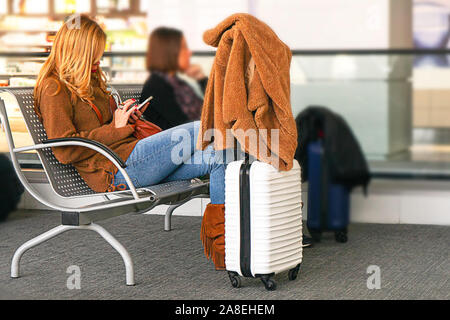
column 144, row 103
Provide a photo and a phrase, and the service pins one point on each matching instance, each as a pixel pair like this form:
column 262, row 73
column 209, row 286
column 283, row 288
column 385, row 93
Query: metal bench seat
column 67, row 183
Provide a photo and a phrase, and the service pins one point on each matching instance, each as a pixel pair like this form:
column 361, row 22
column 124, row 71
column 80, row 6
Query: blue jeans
column 170, row 155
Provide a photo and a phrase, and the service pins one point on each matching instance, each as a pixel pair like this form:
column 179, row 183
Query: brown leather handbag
column 142, row 127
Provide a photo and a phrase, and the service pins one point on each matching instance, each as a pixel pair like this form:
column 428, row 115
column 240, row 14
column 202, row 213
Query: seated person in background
column 175, row 102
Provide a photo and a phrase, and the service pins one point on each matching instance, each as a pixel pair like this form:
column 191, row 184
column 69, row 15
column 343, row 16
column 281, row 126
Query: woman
column 175, row 102
column 71, row 86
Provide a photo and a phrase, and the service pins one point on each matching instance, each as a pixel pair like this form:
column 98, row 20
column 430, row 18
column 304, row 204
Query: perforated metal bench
column 66, row 182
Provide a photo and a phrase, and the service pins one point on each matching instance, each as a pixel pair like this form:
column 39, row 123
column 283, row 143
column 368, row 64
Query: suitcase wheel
column 341, row 236
column 292, row 275
column 269, row 283
column 235, row 279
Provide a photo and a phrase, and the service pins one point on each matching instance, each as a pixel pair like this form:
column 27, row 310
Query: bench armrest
column 91, row 142
column 51, row 144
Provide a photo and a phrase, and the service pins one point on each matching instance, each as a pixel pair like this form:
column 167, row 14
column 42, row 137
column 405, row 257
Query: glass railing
column 397, row 102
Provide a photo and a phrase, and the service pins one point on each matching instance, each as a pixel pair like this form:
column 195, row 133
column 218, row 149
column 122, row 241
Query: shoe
column 307, row 242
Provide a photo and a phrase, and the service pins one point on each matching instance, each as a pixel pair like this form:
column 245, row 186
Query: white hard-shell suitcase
column 263, row 221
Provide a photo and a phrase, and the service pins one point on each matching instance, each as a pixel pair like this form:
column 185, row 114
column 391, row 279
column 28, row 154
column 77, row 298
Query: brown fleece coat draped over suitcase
column 248, row 91
column 236, row 100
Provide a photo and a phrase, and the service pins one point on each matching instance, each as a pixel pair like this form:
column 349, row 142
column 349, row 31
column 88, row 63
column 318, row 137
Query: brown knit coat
column 234, row 100
column 63, row 119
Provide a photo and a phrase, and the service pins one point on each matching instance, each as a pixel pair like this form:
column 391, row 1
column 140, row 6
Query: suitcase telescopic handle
column 246, row 155
column 246, row 158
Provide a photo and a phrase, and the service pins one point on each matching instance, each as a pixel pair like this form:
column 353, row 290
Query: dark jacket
column 347, row 164
column 164, row 110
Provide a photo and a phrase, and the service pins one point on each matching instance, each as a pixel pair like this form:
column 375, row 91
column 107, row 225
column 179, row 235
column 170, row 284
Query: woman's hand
column 137, row 114
column 195, row 71
column 121, row 116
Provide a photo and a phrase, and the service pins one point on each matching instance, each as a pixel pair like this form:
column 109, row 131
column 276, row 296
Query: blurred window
column 108, row 6
column 30, row 7
column 3, row 7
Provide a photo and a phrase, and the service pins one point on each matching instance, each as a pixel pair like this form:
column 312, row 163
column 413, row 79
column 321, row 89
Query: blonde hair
column 76, row 48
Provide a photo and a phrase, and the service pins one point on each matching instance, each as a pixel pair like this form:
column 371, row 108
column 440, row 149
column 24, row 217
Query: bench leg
column 32, row 243
column 129, row 269
column 168, row 218
column 169, row 212
column 15, row 264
